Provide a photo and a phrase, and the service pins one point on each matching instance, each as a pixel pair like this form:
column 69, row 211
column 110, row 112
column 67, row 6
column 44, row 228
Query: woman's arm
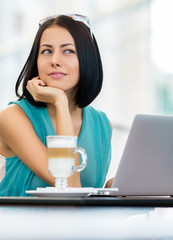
column 110, row 181
column 18, row 138
column 57, row 99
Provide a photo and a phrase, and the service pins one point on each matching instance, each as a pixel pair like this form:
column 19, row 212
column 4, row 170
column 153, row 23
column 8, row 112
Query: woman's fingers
column 42, row 93
column 34, row 86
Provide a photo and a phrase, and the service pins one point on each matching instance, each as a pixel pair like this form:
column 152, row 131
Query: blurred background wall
column 135, row 39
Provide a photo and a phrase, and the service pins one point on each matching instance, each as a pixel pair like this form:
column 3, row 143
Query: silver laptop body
column 146, row 166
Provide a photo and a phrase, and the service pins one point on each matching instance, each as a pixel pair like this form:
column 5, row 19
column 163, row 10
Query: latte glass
column 61, row 162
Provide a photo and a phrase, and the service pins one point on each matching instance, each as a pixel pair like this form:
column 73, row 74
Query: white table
column 85, row 223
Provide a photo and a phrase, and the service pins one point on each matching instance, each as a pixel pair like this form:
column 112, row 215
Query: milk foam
column 69, row 142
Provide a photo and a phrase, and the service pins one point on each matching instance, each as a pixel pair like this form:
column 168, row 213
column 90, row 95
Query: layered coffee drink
column 61, row 161
column 61, row 154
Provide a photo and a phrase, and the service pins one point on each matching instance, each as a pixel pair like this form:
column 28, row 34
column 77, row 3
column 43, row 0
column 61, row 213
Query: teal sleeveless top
column 94, row 137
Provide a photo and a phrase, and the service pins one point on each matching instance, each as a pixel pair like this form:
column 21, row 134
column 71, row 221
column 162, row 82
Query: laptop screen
column 146, row 166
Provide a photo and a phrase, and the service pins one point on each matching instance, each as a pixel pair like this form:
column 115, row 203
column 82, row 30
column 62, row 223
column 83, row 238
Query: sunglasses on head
column 76, row 17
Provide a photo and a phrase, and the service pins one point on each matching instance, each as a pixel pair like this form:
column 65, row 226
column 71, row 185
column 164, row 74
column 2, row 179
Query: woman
column 61, row 77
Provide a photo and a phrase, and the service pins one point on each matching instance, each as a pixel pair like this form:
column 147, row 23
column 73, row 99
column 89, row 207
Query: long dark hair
column 90, row 65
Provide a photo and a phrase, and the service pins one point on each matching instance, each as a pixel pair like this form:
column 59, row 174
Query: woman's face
column 58, row 64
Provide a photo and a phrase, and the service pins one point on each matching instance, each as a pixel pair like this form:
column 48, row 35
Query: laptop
column 146, row 166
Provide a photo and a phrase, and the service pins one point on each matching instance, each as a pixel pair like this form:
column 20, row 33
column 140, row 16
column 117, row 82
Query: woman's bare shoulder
column 12, row 115
column 13, row 121
column 10, row 111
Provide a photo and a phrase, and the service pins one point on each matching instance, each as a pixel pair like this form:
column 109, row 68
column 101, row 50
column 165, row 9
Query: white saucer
column 71, row 192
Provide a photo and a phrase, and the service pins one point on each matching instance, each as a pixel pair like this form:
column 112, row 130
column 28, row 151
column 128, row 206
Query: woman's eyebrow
column 67, row 44
column 46, row 45
column 62, row 45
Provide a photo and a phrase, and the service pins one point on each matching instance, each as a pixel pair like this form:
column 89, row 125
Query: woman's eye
column 69, row 51
column 46, row 51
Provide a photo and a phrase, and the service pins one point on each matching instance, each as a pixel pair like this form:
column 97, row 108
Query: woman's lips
column 57, row 75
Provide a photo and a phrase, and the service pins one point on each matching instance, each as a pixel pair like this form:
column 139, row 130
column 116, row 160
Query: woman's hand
column 109, row 183
column 56, row 97
column 42, row 93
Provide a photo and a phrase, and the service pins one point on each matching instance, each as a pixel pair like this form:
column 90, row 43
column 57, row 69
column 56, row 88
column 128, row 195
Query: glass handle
column 84, row 159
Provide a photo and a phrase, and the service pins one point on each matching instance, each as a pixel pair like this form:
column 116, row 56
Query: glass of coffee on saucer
column 61, row 162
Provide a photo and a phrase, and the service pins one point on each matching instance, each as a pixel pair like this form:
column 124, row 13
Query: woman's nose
column 56, row 60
